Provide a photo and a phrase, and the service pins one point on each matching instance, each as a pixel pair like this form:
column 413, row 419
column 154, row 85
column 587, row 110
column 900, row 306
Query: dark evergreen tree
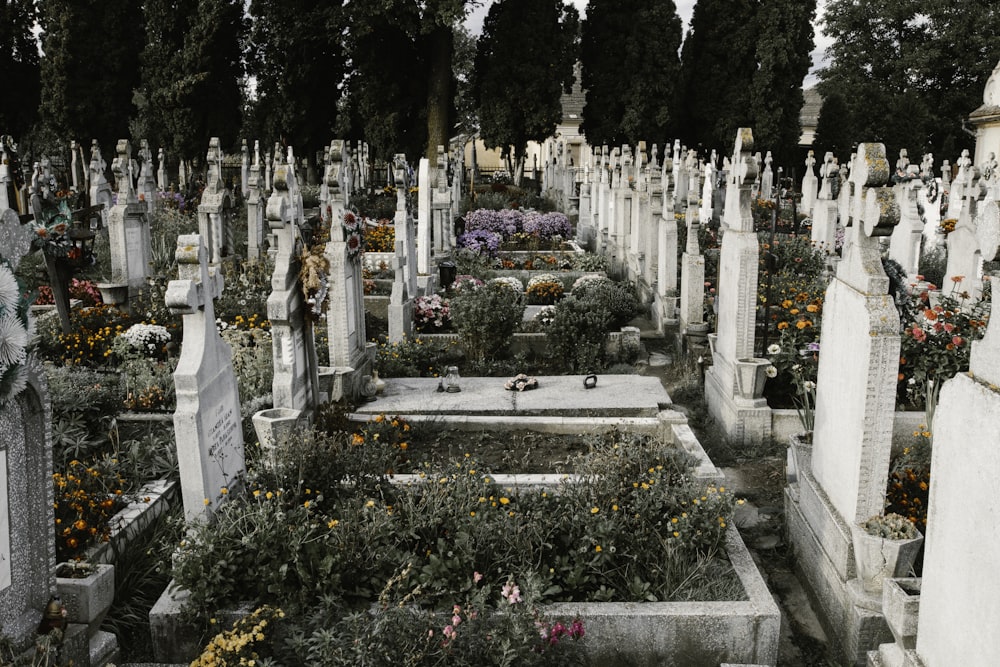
column 718, row 65
column 90, row 69
column 19, row 63
column 833, row 129
column 784, row 45
column 524, row 61
column 628, row 57
column 298, row 59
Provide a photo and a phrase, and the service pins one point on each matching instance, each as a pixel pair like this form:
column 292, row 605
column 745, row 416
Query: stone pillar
column 424, row 221
column 256, row 240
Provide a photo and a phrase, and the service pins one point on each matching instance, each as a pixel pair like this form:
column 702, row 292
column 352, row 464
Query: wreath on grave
column 314, row 274
column 52, row 229
column 14, row 333
column 353, row 229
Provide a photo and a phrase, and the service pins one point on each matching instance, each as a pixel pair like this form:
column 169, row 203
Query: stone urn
column 751, row 374
column 879, row 558
column 275, row 426
column 113, row 293
column 87, row 591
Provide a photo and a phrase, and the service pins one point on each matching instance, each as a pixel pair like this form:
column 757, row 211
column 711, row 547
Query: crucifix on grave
column 128, row 234
column 296, row 383
column 255, row 210
column 207, row 423
column 216, row 208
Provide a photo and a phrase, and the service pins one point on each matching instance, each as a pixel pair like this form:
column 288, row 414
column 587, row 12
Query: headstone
column 78, row 173
column 692, row 302
column 27, row 541
column 441, row 206
column 128, row 229
column 161, row 170
column 100, row 189
column 963, row 273
column 207, row 421
column 296, row 382
column 147, row 184
column 958, row 609
column 256, row 239
column 705, row 214
column 8, row 198
column 742, row 412
column 403, row 223
column 215, row 212
column 767, row 178
column 929, row 198
column 400, row 300
column 345, row 315
column 904, row 246
column 825, row 208
column 244, row 170
column 424, row 222
column 809, row 185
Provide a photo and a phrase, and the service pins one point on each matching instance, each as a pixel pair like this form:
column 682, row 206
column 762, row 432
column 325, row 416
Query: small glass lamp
column 451, row 380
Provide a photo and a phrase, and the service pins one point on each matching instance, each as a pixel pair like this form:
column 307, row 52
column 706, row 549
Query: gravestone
column 8, row 196
column 161, row 171
column 244, row 170
column 207, row 421
column 100, row 189
column 296, row 383
column 809, row 185
column 215, row 212
column 27, row 541
column 424, row 222
column 255, row 210
column 929, row 198
column 345, row 314
column 78, row 174
column 767, row 179
column 958, row 613
column 441, row 206
column 825, row 208
column 843, row 475
column 738, row 406
column 128, row 229
column 403, row 223
column 147, row 183
column 904, row 246
column 963, row 273
column 692, row 301
column 400, row 300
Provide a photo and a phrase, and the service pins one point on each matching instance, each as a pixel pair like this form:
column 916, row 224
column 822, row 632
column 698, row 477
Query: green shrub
column 618, row 297
column 414, row 357
column 578, row 334
column 486, row 319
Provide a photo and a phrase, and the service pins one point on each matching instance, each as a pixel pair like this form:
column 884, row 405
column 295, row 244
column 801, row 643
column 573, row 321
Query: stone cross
column 963, row 271
column 860, row 359
column 161, row 170
column 244, row 169
column 296, row 380
column 403, row 222
column 122, row 168
column 128, row 229
column 207, row 424
column 809, row 185
column 215, row 209
column 255, row 209
column 100, row 189
column 401, row 300
column 147, row 183
column 767, row 178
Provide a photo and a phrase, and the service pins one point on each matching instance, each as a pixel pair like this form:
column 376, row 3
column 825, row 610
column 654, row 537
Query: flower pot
column 112, row 294
column 274, row 426
column 751, row 374
column 878, row 558
column 901, row 605
column 87, row 598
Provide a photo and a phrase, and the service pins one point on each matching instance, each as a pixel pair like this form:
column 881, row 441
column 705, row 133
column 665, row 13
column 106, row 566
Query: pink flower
column 511, row 592
column 476, row 577
column 448, row 631
column 919, row 335
column 957, row 340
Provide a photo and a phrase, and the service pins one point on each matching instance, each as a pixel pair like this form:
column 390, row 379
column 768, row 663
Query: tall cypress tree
column 784, row 45
column 718, row 64
column 90, row 68
column 525, row 54
column 19, row 62
column 628, row 57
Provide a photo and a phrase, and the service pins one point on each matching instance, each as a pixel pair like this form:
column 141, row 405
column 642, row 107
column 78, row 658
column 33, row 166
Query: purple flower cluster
column 505, row 223
column 547, row 226
column 481, row 242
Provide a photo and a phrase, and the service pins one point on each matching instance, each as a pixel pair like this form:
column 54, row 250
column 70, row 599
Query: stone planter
column 901, row 604
column 112, row 293
column 751, row 374
column 87, row 598
column 878, row 559
column 274, row 426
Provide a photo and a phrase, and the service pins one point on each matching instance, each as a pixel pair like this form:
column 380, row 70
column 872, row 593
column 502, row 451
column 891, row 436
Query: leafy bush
column 414, row 357
column 578, row 334
column 431, row 313
column 548, row 226
column 618, row 297
column 486, row 319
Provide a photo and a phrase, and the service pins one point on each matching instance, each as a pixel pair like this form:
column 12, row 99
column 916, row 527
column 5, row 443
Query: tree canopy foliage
column 628, row 55
column 910, row 72
column 524, row 61
column 19, row 63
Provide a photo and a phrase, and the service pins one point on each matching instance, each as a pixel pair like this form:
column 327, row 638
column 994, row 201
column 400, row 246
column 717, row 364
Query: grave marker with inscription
column 207, row 422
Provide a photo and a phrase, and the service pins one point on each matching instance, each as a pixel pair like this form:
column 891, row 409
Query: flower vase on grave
column 87, row 590
column 751, row 374
column 378, row 382
column 879, row 558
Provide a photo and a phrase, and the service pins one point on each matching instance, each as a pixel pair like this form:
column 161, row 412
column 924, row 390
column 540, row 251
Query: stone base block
column 853, row 630
column 744, row 422
column 104, row 649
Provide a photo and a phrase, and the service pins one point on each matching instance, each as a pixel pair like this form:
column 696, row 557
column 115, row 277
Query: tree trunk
column 439, row 91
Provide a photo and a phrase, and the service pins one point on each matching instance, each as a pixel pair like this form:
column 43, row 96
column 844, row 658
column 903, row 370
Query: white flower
column 774, row 348
column 13, row 340
column 809, row 385
column 771, row 371
column 9, row 292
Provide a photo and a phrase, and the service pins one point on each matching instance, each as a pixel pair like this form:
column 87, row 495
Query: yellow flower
column 206, row 501
column 594, row 510
column 224, row 491
column 370, row 504
column 598, row 548
column 269, row 495
column 504, row 500
column 332, row 523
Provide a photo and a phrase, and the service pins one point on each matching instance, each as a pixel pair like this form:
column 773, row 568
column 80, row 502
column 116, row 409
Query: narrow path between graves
column 758, row 476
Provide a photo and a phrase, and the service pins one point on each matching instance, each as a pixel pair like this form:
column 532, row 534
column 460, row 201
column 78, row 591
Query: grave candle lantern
column 451, row 380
